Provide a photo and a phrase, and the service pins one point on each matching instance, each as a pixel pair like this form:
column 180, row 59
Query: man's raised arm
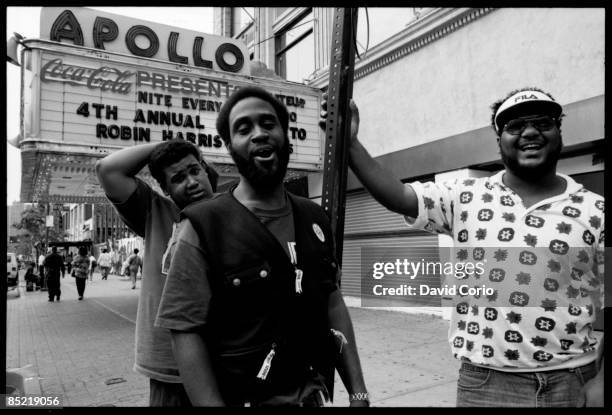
column 117, row 170
column 388, row 190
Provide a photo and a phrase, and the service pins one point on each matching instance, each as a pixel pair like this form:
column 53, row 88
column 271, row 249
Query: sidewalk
column 77, row 347
column 80, row 349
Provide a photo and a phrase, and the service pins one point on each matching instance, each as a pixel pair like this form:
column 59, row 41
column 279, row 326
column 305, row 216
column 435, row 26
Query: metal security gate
column 370, row 225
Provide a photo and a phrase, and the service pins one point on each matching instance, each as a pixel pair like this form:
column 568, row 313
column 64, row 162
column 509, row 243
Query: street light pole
column 47, row 228
column 46, row 247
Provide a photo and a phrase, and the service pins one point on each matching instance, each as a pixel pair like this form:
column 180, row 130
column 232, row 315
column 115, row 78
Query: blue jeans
column 483, row 387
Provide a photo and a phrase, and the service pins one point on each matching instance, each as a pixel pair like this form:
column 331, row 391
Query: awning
column 68, row 244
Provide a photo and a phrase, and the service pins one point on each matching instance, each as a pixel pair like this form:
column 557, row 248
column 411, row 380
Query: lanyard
column 298, row 272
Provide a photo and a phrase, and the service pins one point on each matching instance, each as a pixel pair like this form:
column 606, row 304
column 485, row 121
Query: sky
column 26, row 21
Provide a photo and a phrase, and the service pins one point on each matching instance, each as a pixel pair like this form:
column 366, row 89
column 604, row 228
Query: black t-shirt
column 54, row 262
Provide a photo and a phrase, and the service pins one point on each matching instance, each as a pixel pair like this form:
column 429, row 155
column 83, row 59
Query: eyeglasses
column 518, row 125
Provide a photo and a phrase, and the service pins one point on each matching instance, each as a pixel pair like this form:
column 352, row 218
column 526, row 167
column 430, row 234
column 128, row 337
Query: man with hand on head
column 252, row 296
column 539, row 351
column 184, row 177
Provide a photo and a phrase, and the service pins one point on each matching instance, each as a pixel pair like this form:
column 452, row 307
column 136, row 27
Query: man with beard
column 184, row 177
column 542, row 232
column 252, row 296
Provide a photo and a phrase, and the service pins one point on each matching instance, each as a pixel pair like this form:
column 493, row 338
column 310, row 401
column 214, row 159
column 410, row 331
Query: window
column 247, row 38
column 243, row 24
column 295, row 50
column 279, row 10
column 243, row 16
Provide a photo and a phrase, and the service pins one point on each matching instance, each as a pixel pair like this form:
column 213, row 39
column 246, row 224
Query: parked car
column 12, row 273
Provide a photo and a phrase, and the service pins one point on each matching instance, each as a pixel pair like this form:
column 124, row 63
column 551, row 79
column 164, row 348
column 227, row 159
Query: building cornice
column 430, row 27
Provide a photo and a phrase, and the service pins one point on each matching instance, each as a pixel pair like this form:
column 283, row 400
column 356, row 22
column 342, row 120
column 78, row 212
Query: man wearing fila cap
column 543, row 234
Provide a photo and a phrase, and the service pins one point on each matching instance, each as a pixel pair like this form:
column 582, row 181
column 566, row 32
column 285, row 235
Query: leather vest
column 256, row 306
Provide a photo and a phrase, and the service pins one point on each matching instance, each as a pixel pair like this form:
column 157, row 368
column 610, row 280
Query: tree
column 33, row 222
column 21, row 245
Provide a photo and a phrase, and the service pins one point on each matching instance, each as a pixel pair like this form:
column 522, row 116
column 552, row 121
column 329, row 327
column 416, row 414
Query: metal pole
column 338, row 124
column 47, row 228
column 45, row 249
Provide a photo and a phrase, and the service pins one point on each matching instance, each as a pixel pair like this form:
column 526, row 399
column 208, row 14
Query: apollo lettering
column 67, row 27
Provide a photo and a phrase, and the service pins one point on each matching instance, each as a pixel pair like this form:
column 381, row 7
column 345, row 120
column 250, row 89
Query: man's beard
column 260, row 177
column 530, row 172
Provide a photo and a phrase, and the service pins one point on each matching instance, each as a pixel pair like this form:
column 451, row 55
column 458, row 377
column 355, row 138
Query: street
column 83, row 350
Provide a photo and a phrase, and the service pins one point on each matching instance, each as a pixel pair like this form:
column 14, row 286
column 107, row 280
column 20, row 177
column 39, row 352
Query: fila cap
column 527, row 102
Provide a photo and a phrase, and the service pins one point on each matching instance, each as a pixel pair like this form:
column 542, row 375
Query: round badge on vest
column 319, row 232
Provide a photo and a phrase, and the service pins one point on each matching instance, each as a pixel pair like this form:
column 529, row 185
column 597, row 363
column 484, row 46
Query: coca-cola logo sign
column 105, row 78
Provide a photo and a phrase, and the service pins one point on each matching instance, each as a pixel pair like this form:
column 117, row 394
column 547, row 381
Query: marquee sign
column 80, row 103
column 87, row 99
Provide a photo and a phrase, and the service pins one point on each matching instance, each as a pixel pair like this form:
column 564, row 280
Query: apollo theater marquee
column 98, row 82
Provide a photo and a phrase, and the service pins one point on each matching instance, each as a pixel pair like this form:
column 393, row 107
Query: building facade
column 98, row 223
column 424, row 81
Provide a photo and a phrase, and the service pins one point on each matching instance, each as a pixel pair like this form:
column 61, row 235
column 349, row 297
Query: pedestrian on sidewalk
column 69, row 262
column 92, row 266
column 543, row 233
column 32, row 280
column 116, row 263
column 64, row 264
column 80, row 270
column 134, row 265
column 104, row 262
column 184, row 177
column 41, row 269
column 54, row 267
column 252, row 297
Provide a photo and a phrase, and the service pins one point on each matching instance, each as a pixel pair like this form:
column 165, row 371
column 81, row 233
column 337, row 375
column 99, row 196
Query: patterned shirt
column 80, row 266
column 543, row 266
